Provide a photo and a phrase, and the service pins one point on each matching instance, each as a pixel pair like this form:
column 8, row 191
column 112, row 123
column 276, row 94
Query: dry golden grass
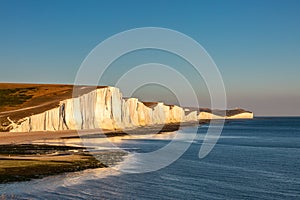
column 19, row 100
column 40, row 94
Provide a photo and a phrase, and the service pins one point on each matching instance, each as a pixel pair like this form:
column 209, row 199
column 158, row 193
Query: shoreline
column 19, row 164
column 29, row 137
column 26, row 156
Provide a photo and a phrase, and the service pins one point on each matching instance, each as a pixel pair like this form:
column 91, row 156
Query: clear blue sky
column 256, row 44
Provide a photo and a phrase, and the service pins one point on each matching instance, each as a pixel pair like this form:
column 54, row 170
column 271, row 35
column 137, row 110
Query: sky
column 255, row 44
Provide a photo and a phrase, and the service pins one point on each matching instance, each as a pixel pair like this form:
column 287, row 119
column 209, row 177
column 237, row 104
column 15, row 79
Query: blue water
column 253, row 159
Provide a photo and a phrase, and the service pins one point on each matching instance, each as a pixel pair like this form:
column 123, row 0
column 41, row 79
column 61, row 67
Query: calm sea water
column 253, row 159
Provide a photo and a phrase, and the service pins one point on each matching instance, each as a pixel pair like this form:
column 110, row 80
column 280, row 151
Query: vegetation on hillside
column 15, row 96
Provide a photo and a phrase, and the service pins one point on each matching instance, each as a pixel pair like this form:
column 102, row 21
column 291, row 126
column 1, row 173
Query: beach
column 29, row 155
column 247, row 163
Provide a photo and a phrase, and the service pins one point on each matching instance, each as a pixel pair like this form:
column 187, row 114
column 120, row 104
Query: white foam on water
column 51, row 183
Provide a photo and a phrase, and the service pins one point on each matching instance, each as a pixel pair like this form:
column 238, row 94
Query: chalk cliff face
column 102, row 108
column 246, row 115
column 105, row 108
column 208, row 115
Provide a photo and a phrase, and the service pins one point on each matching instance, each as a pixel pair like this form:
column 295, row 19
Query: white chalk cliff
column 102, row 108
column 209, row 116
column 106, row 109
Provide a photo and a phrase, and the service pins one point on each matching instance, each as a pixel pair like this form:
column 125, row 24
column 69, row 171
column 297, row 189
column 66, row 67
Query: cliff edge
column 103, row 107
column 238, row 113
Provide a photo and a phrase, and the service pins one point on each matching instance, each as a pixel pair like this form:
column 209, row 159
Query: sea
column 252, row 159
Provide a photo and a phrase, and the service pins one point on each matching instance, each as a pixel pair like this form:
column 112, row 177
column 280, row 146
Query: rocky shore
column 37, row 156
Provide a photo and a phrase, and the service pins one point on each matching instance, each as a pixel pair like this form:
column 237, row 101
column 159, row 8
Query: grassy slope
column 21, row 100
column 17, row 96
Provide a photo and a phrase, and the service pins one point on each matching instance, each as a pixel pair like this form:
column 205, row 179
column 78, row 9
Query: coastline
column 39, row 117
column 26, row 156
column 19, row 164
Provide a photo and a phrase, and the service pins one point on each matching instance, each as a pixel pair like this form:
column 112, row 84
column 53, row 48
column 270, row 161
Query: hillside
column 19, row 100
